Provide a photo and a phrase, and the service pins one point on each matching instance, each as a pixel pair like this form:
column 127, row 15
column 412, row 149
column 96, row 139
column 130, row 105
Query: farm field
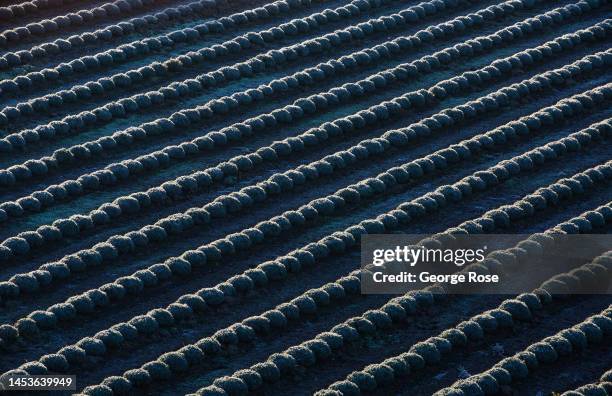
column 184, row 186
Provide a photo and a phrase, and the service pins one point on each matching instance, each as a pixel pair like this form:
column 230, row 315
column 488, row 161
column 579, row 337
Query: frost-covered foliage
column 432, row 350
column 81, row 17
column 283, row 182
column 74, row 123
column 132, row 49
column 145, row 325
column 540, row 353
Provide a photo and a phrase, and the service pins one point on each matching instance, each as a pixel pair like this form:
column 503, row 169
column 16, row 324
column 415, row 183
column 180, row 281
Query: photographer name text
column 429, row 278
